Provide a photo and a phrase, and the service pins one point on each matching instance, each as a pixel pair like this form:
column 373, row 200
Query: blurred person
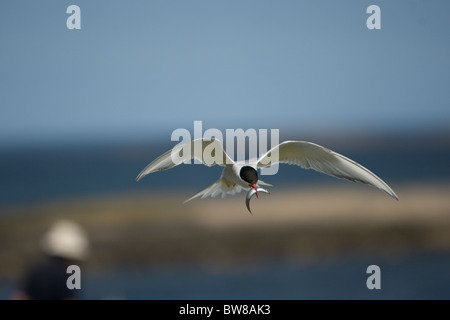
column 65, row 244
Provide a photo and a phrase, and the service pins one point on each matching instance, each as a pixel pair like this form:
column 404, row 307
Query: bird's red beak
column 254, row 187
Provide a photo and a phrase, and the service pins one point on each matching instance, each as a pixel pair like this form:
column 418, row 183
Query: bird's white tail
column 222, row 186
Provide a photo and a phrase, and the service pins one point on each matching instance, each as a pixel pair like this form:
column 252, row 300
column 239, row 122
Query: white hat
column 66, row 239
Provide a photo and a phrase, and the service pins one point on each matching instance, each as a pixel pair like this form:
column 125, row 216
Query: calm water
column 413, row 276
column 420, row 276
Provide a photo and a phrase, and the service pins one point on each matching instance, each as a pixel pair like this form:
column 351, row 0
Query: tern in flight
column 237, row 176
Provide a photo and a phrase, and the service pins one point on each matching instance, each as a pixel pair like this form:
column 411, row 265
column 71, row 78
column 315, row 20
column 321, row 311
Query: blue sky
column 145, row 68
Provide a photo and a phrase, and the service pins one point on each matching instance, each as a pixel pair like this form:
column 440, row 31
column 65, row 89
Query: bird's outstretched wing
column 209, row 151
column 312, row 156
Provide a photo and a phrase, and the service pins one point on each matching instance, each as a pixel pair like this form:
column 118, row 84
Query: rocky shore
column 155, row 229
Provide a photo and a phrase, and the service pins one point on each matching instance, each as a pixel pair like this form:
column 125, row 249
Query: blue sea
column 412, row 276
column 420, row 275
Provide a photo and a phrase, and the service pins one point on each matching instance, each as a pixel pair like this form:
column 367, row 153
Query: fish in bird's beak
column 251, row 193
column 253, row 186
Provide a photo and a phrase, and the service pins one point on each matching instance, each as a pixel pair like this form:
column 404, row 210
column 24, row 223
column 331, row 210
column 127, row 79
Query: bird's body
column 230, row 182
column 231, row 173
column 238, row 176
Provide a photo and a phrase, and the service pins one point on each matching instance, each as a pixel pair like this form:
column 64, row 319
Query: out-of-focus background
column 83, row 111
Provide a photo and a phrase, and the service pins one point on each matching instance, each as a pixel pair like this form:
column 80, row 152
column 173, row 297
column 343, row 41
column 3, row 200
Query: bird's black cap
column 249, row 175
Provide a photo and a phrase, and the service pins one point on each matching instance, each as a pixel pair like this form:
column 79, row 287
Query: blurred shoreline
column 155, row 229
